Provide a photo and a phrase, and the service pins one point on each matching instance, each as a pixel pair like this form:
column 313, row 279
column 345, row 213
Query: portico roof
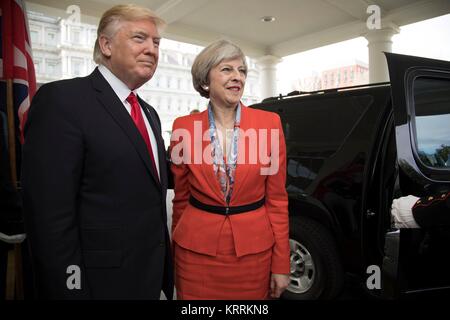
column 299, row 25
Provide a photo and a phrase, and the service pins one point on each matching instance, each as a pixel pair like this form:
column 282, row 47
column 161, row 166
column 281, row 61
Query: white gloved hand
column 402, row 214
column 14, row 238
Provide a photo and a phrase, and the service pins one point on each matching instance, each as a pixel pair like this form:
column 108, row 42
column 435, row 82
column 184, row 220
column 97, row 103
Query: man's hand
column 278, row 283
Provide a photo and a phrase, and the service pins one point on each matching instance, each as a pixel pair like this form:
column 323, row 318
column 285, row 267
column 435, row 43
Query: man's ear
column 105, row 45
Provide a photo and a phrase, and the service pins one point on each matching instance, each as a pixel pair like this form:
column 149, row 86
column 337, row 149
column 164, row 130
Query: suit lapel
column 115, row 108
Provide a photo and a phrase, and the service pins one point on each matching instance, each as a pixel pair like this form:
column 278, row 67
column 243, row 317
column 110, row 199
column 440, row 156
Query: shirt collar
column 120, row 88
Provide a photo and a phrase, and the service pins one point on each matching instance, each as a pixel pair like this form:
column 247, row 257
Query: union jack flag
column 16, row 61
column 16, row 68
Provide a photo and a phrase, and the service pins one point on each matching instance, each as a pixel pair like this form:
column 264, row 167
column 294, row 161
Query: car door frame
column 414, row 178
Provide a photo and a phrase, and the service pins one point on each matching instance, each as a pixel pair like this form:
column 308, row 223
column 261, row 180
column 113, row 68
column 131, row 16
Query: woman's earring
column 206, row 88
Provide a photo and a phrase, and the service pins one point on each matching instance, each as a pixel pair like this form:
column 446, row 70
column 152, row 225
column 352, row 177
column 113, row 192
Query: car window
column 308, row 125
column 432, row 121
column 315, row 129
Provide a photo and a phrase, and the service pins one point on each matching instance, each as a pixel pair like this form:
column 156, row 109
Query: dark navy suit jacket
column 90, row 197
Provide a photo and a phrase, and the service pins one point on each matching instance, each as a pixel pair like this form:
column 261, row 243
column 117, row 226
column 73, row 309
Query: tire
column 316, row 268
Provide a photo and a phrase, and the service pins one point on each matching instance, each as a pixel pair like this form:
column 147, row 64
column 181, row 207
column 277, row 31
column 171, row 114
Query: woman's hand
column 278, row 283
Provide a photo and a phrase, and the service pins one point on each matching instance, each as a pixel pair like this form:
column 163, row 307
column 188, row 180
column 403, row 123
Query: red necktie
column 136, row 115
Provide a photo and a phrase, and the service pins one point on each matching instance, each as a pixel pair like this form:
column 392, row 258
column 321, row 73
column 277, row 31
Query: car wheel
column 316, row 269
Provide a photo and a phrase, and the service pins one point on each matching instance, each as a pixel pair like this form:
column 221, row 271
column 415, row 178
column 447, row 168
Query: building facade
column 352, row 74
column 346, row 76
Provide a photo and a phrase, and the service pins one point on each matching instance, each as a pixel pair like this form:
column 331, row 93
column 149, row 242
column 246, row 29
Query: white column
column 64, row 66
column 268, row 67
column 62, row 31
column 380, row 41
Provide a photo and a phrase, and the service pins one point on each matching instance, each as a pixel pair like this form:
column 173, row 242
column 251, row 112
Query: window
column 77, row 67
column 51, row 67
column 51, row 38
column 431, row 121
column 34, row 36
column 76, row 36
column 339, row 120
column 304, row 143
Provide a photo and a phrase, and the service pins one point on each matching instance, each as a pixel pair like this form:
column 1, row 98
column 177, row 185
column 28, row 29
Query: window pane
column 432, row 109
column 34, row 36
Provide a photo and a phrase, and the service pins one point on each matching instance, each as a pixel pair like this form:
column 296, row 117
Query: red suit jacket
column 255, row 231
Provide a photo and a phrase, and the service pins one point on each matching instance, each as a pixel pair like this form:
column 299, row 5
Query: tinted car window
column 308, row 124
column 432, row 121
column 323, row 116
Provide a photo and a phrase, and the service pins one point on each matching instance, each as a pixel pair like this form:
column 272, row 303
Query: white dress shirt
column 122, row 91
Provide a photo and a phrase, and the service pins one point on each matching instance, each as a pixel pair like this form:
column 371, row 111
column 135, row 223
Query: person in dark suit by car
column 94, row 173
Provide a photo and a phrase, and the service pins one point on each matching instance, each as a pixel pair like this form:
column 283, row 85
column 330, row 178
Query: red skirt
column 223, row 277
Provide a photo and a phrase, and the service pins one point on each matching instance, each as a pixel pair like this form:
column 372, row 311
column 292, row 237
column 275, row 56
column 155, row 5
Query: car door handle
column 370, row 213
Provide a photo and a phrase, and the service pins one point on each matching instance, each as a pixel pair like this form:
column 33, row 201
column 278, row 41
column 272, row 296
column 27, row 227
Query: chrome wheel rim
column 303, row 271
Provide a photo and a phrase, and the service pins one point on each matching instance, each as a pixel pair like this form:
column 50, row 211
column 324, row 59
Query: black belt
column 226, row 210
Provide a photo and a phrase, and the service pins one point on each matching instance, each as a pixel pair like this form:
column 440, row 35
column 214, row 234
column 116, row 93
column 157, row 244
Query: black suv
column 350, row 152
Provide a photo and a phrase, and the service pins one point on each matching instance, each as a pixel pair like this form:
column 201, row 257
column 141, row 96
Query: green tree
column 443, row 152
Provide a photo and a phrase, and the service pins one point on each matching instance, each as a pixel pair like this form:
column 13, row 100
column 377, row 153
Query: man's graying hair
column 111, row 21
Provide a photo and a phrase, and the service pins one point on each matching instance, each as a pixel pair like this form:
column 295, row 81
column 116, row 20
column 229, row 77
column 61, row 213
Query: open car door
column 417, row 261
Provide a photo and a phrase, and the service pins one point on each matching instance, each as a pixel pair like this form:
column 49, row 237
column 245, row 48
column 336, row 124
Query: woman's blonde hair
column 210, row 57
column 112, row 19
